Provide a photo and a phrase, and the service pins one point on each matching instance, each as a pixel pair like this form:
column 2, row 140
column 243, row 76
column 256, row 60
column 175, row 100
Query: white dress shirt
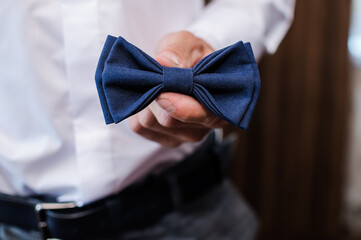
column 53, row 138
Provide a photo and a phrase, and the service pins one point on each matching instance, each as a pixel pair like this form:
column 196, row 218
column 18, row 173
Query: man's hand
column 175, row 118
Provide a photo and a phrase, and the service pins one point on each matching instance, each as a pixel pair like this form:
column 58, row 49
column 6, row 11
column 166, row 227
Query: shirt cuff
column 263, row 23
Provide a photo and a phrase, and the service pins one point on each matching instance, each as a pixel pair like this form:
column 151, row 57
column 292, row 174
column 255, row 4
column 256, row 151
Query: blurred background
column 299, row 164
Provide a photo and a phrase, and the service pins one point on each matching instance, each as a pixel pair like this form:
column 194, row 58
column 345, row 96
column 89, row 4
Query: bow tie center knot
column 179, row 80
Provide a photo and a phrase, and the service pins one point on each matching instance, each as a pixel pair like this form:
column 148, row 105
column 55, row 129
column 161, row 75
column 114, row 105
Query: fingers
column 149, row 134
column 181, row 49
column 186, row 110
column 146, row 124
column 175, row 118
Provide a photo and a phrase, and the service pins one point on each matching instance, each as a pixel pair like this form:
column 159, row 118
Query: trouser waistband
column 135, row 207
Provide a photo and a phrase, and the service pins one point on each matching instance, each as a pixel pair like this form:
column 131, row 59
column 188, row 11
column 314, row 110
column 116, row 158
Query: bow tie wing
column 227, row 82
column 127, row 79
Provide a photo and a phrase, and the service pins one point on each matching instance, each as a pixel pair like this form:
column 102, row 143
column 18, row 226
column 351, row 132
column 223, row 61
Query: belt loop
column 225, row 151
column 176, row 193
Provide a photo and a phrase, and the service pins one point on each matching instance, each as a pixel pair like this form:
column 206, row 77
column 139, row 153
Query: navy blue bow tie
column 226, row 81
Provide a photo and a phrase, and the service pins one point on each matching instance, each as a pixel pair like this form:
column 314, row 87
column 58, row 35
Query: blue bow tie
column 226, row 81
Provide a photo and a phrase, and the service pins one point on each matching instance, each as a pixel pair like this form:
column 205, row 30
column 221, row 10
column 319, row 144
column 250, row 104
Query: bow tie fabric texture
column 226, row 82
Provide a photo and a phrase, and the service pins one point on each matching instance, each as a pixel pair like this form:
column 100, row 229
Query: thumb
column 169, row 58
column 180, row 49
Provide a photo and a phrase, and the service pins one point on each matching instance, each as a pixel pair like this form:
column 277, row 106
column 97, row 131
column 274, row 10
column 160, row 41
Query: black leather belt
column 135, row 207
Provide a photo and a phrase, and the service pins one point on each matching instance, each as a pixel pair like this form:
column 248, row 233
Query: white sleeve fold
column 263, row 23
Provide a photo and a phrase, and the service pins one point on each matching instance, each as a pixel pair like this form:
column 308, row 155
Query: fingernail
column 166, row 104
column 171, row 56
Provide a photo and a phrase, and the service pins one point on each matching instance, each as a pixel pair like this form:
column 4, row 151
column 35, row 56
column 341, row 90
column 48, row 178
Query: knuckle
column 187, row 117
column 166, row 121
column 135, row 126
column 187, row 35
column 212, row 121
column 147, row 121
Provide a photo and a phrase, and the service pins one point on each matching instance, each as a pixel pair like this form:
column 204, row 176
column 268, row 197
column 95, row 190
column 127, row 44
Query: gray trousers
column 220, row 215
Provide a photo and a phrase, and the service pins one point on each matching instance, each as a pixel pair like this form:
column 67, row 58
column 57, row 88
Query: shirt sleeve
column 263, row 23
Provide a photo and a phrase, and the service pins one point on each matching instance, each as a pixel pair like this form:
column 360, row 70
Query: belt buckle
column 40, row 209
